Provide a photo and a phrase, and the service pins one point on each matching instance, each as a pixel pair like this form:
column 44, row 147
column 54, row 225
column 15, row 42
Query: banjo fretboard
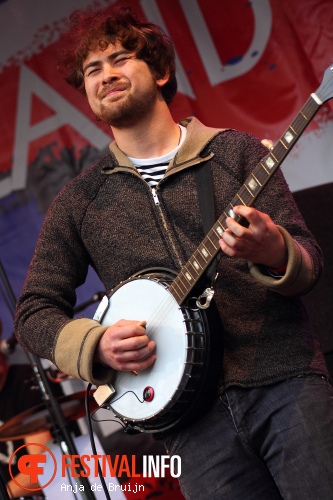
column 252, row 187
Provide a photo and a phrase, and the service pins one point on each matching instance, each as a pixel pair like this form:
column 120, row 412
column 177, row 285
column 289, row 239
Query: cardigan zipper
column 166, row 228
column 156, row 200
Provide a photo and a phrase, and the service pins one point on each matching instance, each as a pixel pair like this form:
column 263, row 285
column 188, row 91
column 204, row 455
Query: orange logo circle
column 33, row 465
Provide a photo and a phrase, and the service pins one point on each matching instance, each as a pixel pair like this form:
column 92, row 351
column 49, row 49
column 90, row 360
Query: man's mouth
column 113, row 90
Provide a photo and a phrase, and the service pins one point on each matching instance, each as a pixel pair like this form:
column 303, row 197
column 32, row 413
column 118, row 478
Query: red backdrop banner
column 249, row 65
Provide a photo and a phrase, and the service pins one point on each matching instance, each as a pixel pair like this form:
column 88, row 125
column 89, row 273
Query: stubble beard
column 128, row 110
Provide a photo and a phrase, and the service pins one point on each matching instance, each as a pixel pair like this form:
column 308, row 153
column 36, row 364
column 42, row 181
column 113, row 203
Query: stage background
column 240, row 64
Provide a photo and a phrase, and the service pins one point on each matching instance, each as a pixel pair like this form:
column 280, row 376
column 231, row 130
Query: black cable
column 106, row 419
column 92, row 441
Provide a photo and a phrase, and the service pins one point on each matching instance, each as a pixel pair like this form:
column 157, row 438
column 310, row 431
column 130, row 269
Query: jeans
column 261, row 443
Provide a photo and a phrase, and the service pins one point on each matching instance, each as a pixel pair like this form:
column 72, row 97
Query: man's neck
column 153, row 136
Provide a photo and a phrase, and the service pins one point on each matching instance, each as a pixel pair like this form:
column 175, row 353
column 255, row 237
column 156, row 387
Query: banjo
column 182, row 382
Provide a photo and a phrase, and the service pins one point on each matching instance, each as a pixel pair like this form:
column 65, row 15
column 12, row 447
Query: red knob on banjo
column 148, row 394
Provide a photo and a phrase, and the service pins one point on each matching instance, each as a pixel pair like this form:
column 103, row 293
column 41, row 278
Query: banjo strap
column 205, row 192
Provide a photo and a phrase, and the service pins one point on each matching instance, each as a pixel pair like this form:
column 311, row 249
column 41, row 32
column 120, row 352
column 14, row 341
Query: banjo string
column 159, row 314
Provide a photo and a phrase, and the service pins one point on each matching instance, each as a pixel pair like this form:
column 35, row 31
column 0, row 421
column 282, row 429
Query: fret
column 195, row 265
column 246, row 194
column 263, row 166
column 202, row 261
column 172, row 289
column 273, row 155
column 254, row 184
column 218, row 235
column 261, row 176
column 251, row 193
column 231, row 213
column 204, row 252
column 212, row 243
column 219, row 229
column 289, row 137
column 188, row 276
column 181, row 283
column 283, row 144
column 254, row 177
column 241, row 199
column 270, row 162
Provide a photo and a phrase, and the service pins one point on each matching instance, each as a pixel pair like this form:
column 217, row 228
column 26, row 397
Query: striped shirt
column 152, row 170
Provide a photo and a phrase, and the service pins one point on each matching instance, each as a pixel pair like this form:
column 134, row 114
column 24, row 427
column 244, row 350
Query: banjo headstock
column 325, row 90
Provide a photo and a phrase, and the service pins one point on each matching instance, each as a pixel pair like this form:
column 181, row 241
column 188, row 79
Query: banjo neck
column 206, row 252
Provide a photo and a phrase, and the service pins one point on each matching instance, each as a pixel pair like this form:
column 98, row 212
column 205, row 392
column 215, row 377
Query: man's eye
column 122, row 59
column 93, row 71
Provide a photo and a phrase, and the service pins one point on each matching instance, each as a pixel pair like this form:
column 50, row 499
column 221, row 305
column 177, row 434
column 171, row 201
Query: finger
column 257, row 222
column 130, row 322
column 137, row 359
column 126, row 329
column 252, row 215
column 229, row 237
column 135, row 366
column 137, row 354
column 234, row 231
column 228, row 249
column 267, row 143
column 248, row 213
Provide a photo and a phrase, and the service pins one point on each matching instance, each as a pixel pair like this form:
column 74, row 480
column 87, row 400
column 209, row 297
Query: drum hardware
column 7, row 346
column 98, row 296
column 53, row 408
column 37, row 419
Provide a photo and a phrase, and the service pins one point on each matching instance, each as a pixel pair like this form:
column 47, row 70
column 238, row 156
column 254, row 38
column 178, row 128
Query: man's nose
column 109, row 74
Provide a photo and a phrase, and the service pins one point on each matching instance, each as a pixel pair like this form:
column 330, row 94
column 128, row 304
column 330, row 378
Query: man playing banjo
column 269, row 432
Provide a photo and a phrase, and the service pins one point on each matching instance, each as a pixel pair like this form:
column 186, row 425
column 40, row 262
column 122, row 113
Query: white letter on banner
column 217, row 73
column 65, row 114
column 153, row 14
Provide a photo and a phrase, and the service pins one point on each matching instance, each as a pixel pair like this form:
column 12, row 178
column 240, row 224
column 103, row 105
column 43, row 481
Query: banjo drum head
column 148, row 300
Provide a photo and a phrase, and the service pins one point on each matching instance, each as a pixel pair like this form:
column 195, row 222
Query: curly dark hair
column 95, row 29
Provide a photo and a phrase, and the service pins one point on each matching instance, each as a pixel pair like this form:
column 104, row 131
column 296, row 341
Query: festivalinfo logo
column 78, row 466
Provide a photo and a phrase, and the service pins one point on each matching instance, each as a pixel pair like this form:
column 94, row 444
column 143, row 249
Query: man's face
column 120, row 88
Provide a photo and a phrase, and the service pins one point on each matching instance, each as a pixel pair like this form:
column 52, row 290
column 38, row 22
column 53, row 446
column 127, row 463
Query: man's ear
column 162, row 81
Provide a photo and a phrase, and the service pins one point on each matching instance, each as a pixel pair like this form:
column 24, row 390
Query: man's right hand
column 125, row 346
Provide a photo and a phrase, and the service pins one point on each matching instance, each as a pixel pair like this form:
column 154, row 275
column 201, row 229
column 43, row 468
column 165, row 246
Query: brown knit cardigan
column 106, row 218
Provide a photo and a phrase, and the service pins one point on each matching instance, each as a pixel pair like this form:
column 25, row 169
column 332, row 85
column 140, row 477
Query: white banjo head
column 148, row 300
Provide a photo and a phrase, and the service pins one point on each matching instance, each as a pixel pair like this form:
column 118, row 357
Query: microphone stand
column 3, row 489
column 96, row 297
column 65, row 439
